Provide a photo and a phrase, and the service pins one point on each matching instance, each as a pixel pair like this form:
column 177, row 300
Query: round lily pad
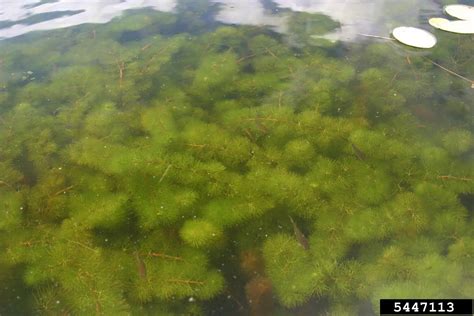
column 459, row 26
column 414, row 37
column 460, row 11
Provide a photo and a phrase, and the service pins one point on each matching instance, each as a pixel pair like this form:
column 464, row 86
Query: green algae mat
column 161, row 165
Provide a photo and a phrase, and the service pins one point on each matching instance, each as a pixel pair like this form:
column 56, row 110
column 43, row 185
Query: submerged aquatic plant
column 133, row 178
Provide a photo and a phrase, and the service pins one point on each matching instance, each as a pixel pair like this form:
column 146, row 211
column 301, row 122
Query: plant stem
column 452, row 72
column 161, row 255
column 189, row 282
column 164, row 173
column 376, row 36
column 454, row 178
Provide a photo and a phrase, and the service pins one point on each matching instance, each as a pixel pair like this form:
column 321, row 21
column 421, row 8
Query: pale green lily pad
column 459, row 26
column 414, row 37
column 460, row 11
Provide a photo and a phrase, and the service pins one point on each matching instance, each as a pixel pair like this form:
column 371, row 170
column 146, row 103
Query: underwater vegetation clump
column 182, row 173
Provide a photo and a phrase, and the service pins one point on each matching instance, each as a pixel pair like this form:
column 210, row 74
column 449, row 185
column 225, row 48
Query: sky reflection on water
column 356, row 16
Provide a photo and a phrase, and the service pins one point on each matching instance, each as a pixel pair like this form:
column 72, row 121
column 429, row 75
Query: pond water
column 225, row 157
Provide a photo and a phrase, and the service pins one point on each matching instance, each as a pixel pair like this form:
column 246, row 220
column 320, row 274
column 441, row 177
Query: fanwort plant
column 156, row 174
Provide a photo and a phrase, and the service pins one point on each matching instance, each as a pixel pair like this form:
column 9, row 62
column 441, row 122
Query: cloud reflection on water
column 355, row 16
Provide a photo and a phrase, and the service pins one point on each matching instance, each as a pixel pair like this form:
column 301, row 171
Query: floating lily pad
column 460, row 11
column 414, row 37
column 459, row 26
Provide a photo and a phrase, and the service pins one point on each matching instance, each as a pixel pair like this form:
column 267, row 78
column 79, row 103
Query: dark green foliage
column 194, row 15
column 305, row 27
column 11, row 207
column 136, row 169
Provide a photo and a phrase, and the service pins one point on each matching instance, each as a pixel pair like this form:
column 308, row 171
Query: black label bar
column 426, row 306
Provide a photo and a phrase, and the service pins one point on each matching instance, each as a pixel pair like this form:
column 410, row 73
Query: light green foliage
column 158, row 121
column 458, row 142
column 104, row 210
column 295, row 277
column 434, row 159
column 157, row 205
column 209, row 142
column 461, row 251
column 66, row 257
column 101, row 155
column 130, row 23
column 366, row 225
column 236, row 210
column 200, row 233
column 372, row 186
column 147, row 172
column 299, row 153
column 438, row 200
column 424, row 276
column 106, row 121
column 188, row 276
column 215, row 75
column 407, row 214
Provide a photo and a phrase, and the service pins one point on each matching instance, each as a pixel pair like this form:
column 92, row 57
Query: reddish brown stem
column 189, row 282
column 6, row 183
column 263, row 119
column 62, row 191
column 454, row 178
column 162, row 255
column 197, row 145
column 249, row 134
column 145, row 47
column 245, row 58
column 121, row 67
column 270, row 52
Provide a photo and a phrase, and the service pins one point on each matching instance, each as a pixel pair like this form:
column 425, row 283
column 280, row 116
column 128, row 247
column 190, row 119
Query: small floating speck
column 414, row 37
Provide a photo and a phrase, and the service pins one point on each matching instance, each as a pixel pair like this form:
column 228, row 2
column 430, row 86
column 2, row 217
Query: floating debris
column 358, row 152
column 299, row 235
column 140, row 265
column 414, row 37
column 459, row 26
column 376, row 36
column 460, row 11
column 452, row 72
